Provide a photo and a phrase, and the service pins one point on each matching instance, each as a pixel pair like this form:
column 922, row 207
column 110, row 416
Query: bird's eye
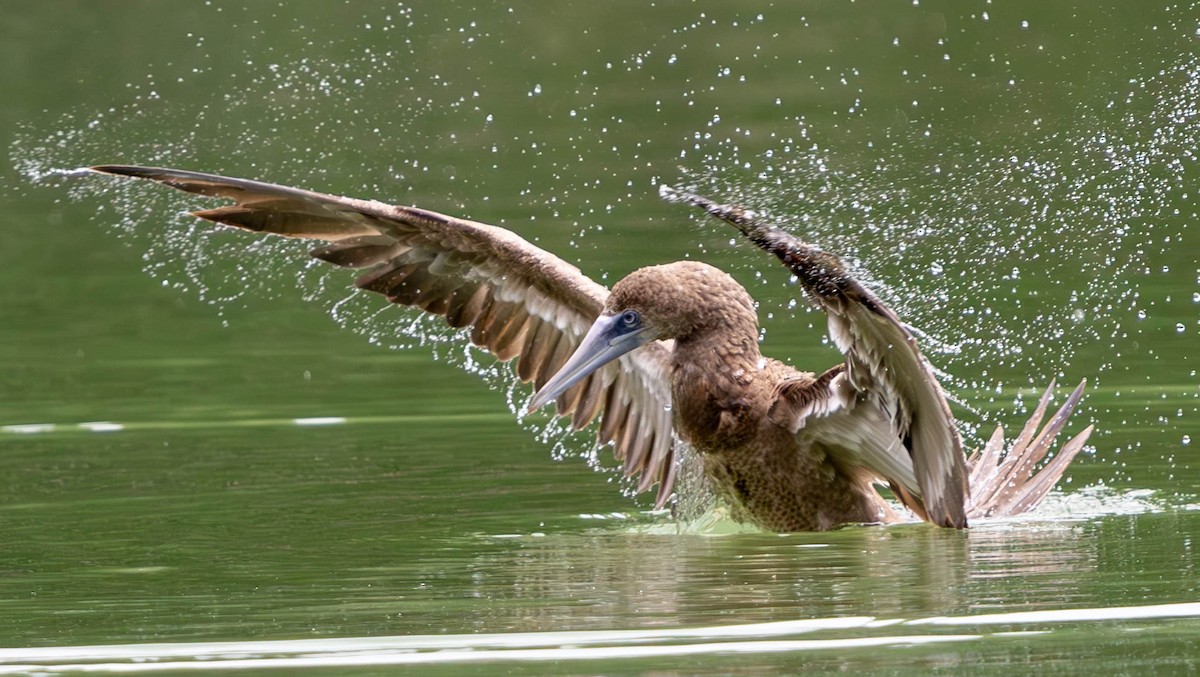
column 630, row 318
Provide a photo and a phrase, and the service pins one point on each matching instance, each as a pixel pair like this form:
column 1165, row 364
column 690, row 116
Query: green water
column 1018, row 179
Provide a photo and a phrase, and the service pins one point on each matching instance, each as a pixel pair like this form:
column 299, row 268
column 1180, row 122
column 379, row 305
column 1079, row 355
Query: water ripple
column 755, row 638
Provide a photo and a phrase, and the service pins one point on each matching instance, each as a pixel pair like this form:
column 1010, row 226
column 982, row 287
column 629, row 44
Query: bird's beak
column 607, row 340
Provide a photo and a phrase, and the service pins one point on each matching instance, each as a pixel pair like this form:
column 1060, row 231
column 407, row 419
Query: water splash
column 1016, row 253
column 944, row 227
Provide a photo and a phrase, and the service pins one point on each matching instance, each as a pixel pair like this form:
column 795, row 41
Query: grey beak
column 607, row 340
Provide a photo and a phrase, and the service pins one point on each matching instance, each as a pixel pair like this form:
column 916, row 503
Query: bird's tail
column 1009, row 483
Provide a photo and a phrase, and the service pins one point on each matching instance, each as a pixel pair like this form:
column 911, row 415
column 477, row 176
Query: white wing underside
column 856, row 430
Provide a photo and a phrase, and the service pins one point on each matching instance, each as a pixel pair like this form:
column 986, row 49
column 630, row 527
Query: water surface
column 207, row 453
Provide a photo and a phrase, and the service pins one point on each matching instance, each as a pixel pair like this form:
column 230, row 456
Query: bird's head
column 677, row 301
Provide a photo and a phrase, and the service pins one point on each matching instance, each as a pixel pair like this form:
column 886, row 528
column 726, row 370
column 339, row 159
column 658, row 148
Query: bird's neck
column 713, row 388
column 724, row 356
column 722, row 348
column 716, row 362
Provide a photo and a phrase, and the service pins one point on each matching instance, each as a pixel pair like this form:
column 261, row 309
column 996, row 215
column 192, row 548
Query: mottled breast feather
column 515, row 300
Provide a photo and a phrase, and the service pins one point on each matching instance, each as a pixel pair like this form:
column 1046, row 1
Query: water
column 705, row 649
column 201, row 469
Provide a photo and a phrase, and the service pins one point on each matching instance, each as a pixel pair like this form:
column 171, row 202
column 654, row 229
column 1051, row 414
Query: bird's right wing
column 518, row 301
column 883, row 368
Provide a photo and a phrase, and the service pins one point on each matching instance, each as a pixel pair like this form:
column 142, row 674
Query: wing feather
column 883, row 366
column 513, row 299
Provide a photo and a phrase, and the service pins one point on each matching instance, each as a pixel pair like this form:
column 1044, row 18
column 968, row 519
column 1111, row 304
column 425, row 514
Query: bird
column 669, row 361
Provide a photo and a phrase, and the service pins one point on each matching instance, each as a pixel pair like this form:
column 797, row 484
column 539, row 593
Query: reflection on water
column 342, row 542
column 755, row 577
column 762, row 577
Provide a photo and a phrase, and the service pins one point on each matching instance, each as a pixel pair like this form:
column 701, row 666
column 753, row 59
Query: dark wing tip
column 124, row 170
column 173, row 177
column 745, row 220
column 212, row 185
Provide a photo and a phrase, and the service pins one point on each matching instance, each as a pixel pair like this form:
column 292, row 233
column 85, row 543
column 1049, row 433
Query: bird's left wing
column 517, row 300
column 883, row 367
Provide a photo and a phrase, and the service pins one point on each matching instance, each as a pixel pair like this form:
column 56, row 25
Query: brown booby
column 671, row 356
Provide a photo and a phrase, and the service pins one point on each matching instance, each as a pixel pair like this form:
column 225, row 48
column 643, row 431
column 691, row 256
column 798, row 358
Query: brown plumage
column 673, row 353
